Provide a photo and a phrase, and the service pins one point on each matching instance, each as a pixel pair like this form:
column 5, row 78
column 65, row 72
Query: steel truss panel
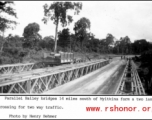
column 15, row 68
column 136, row 85
column 33, row 72
column 41, row 82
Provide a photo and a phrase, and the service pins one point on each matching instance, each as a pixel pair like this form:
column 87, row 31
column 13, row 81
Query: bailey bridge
column 113, row 77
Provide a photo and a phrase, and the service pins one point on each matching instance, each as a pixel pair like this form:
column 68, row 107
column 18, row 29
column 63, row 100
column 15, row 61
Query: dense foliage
column 14, row 49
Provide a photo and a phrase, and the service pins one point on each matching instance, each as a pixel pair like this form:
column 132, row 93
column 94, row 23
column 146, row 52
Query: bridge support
column 38, row 83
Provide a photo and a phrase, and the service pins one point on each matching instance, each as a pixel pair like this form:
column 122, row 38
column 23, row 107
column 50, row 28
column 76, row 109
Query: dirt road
column 102, row 81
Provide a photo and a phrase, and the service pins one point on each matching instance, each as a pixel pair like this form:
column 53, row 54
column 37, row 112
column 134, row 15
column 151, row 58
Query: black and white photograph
column 76, row 47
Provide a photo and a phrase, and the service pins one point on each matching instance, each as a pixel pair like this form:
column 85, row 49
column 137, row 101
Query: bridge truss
column 130, row 83
column 41, row 80
column 15, row 68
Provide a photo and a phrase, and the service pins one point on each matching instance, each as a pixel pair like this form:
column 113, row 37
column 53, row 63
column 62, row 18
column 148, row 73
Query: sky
column 120, row 18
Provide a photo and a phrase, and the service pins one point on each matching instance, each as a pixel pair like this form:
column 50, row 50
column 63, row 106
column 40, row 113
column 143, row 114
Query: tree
column 13, row 45
column 47, row 42
column 5, row 7
column 117, row 46
column 12, row 51
column 64, row 38
column 2, row 5
column 109, row 41
column 140, row 46
column 73, row 43
column 80, row 28
column 125, row 44
column 31, row 34
column 88, row 42
column 58, row 13
column 95, row 44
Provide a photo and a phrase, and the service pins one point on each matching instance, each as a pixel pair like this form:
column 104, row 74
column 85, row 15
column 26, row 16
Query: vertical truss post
column 29, row 86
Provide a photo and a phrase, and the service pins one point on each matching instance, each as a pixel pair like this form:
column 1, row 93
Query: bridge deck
column 102, row 81
column 41, row 80
column 41, row 71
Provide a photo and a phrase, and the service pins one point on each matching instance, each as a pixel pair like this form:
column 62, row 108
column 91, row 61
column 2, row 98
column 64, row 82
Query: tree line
column 13, row 47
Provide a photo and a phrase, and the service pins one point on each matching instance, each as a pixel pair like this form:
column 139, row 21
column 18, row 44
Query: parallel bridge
column 15, row 68
column 130, row 83
column 41, row 80
column 22, row 78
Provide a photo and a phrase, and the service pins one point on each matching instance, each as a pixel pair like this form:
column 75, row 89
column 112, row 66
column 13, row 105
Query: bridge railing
column 138, row 83
column 135, row 85
column 38, row 83
column 15, row 68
